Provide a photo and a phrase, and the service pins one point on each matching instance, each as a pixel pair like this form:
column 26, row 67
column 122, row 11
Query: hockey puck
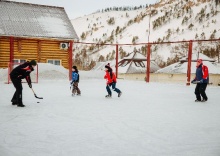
column 38, row 102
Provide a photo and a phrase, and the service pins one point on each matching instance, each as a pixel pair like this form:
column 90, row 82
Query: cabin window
column 55, row 62
column 19, row 61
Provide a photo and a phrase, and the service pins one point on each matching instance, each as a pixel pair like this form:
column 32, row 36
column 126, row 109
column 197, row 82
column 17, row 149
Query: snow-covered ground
column 149, row 119
column 152, row 119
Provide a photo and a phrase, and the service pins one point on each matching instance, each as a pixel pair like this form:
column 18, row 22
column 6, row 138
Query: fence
column 178, row 48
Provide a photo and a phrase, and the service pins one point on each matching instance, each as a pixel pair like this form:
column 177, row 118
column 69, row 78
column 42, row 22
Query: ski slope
column 152, row 119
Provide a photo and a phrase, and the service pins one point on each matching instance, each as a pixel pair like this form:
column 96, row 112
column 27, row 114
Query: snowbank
column 48, row 71
column 3, row 74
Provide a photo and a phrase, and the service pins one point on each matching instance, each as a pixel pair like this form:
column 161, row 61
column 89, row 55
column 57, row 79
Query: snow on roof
column 136, row 62
column 179, row 68
column 132, row 68
column 32, row 20
column 135, row 55
column 129, row 68
column 196, row 56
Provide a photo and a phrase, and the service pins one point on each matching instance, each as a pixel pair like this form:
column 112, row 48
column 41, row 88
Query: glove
column 201, row 81
column 193, row 81
column 30, row 85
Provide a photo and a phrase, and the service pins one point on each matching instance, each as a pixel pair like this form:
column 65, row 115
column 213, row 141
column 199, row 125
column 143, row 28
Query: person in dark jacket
column 17, row 74
column 111, row 81
column 75, row 81
column 201, row 80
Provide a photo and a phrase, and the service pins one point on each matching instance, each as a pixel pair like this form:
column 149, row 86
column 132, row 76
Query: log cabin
column 32, row 31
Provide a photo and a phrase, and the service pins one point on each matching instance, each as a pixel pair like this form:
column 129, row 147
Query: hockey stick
column 36, row 95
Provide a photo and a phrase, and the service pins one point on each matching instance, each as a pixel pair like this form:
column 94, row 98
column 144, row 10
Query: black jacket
column 22, row 71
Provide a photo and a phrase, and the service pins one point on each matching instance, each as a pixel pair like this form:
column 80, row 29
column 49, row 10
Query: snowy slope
column 140, row 29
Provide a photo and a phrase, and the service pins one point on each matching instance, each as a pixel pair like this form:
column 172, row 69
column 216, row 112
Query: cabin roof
column 36, row 21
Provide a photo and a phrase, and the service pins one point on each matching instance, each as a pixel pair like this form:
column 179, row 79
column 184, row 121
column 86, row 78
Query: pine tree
column 83, row 36
column 217, row 2
column 190, row 26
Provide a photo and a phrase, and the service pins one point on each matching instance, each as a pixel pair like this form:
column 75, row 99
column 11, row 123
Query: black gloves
column 30, row 85
column 195, row 82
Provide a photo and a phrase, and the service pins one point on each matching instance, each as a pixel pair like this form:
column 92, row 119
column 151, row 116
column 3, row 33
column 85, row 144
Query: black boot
column 204, row 100
column 14, row 102
column 108, row 96
column 119, row 94
column 20, row 105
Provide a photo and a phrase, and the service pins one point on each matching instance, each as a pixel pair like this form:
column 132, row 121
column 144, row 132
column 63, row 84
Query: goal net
column 33, row 74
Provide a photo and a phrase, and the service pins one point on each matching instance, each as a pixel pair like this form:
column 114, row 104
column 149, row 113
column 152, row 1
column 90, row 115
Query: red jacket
column 108, row 77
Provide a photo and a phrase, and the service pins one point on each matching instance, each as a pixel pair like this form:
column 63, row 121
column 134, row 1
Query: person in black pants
column 17, row 74
column 201, row 80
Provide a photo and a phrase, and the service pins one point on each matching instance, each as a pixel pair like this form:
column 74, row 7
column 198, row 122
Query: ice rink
column 152, row 119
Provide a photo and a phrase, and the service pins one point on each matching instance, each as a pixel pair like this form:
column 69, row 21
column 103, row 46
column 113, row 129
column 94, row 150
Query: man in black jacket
column 20, row 72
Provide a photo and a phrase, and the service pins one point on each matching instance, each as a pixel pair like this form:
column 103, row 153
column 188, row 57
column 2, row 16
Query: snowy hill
column 170, row 21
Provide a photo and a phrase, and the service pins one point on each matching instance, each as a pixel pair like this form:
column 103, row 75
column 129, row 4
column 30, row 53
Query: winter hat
column 33, row 62
column 76, row 70
column 199, row 61
column 74, row 67
column 108, row 66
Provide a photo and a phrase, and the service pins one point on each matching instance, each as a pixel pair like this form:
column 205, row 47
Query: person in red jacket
column 111, row 81
column 201, row 80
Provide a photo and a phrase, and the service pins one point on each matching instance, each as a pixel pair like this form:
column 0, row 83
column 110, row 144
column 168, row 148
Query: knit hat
column 74, row 67
column 76, row 70
column 108, row 66
column 33, row 62
column 199, row 61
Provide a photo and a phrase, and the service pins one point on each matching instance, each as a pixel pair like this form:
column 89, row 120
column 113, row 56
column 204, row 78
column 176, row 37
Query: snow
column 1, row 31
column 196, row 56
column 148, row 119
column 182, row 67
column 140, row 29
column 131, row 67
column 56, row 27
column 24, row 19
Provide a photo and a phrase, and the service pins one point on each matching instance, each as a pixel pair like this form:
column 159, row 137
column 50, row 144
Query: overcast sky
column 78, row 8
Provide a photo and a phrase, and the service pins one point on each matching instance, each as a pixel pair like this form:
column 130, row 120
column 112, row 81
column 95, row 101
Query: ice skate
column 204, row 100
column 108, row 96
column 197, row 100
column 119, row 94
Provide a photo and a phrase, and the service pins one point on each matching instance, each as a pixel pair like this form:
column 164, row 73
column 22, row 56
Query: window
column 55, row 62
column 18, row 61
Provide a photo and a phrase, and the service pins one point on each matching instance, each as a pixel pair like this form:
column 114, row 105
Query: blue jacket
column 75, row 77
column 202, row 74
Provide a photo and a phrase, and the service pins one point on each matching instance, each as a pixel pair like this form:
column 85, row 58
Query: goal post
column 33, row 74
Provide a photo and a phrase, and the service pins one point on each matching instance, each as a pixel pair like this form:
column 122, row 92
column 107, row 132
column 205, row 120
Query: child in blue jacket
column 75, row 81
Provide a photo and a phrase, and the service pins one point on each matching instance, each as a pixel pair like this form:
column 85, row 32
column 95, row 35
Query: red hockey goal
column 33, row 75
